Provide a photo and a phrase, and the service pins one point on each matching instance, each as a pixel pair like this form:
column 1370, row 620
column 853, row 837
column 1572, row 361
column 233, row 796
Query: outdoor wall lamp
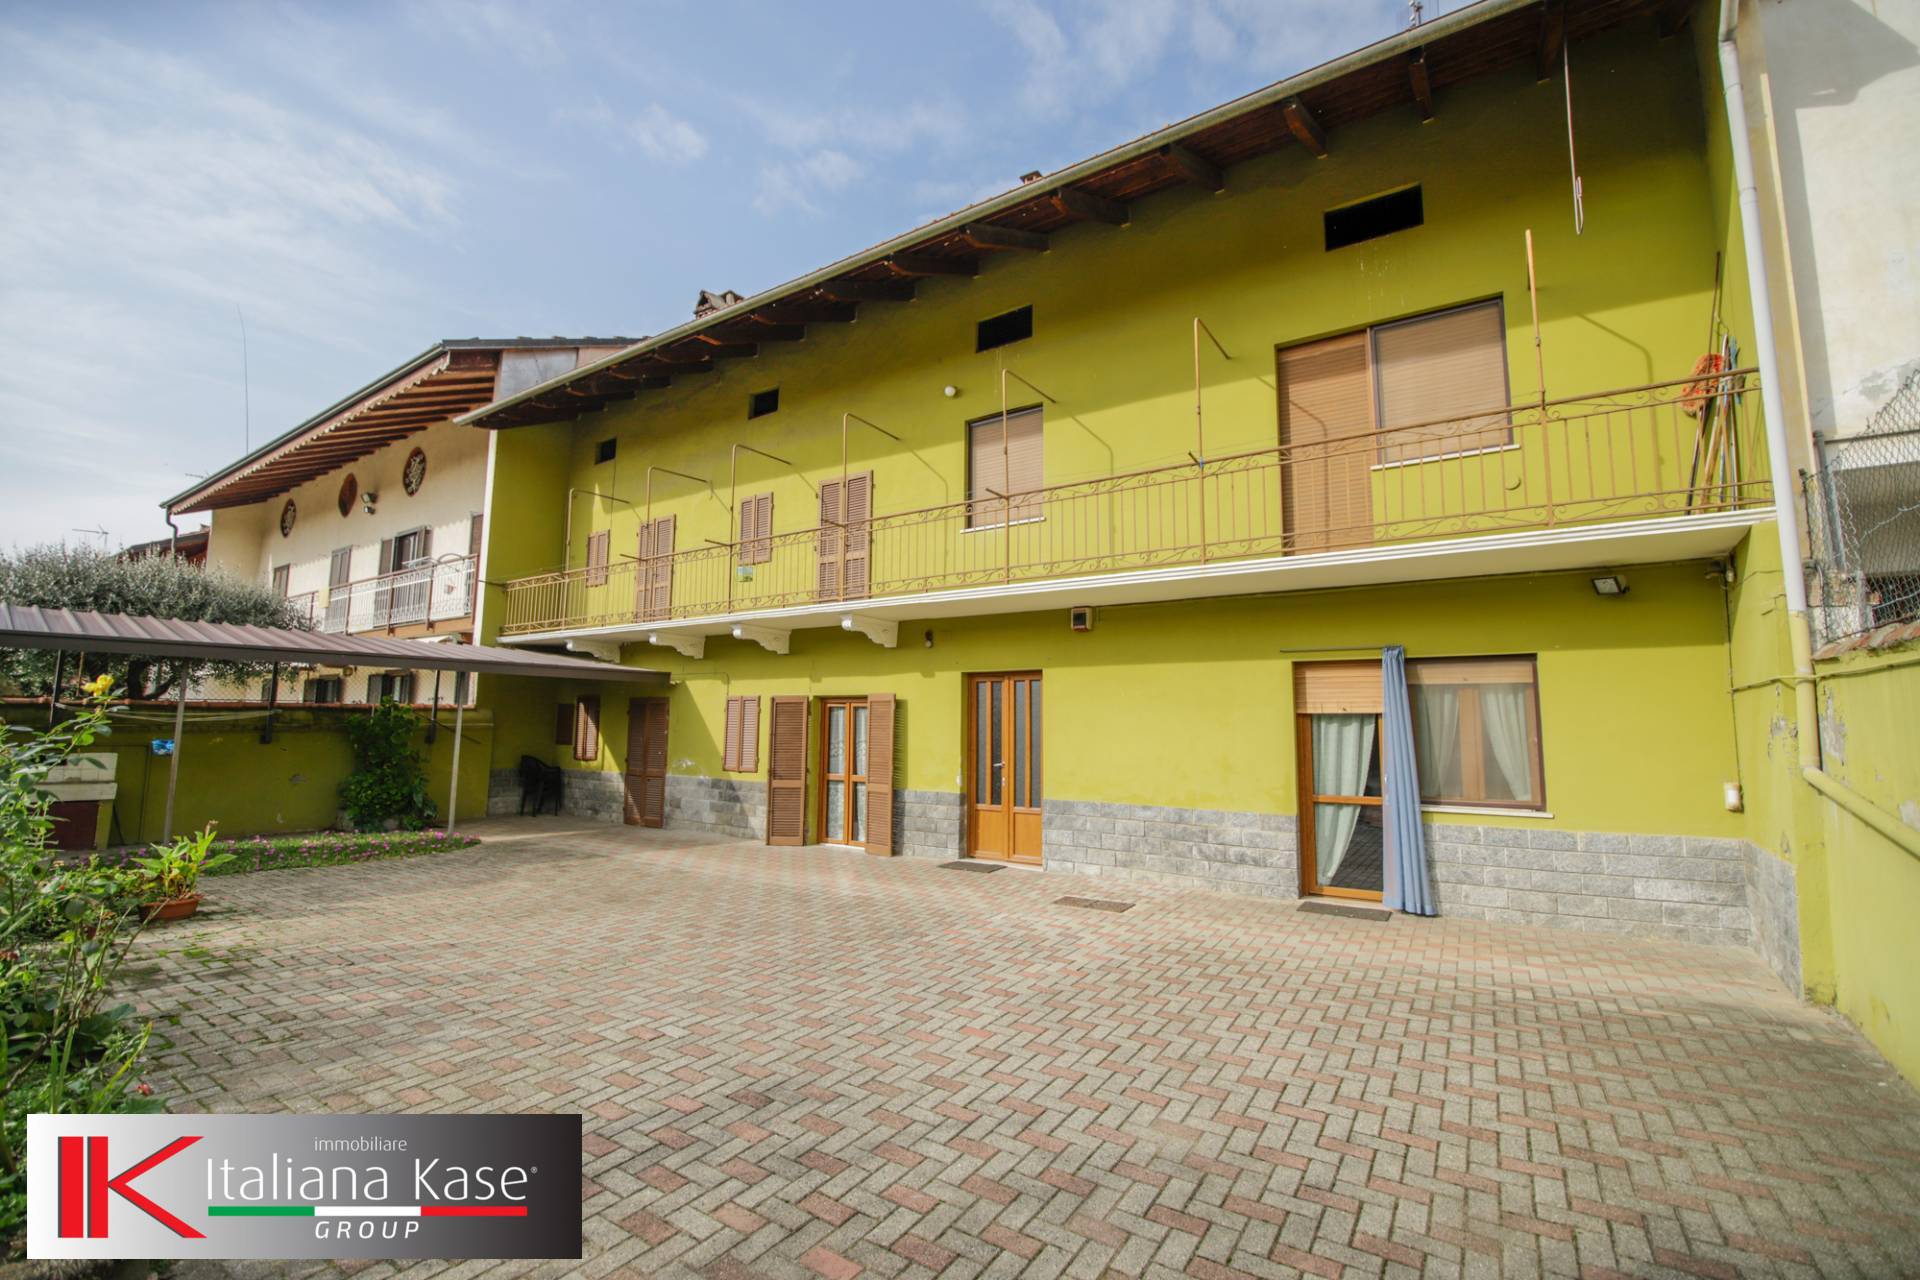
column 1611, row 584
column 367, row 501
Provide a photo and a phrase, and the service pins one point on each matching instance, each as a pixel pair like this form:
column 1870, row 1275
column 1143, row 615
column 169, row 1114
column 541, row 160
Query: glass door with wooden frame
column 1342, row 840
column 1004, row 751
column 843, row 771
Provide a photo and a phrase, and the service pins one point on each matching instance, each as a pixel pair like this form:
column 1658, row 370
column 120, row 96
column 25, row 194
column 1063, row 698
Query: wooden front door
column 1339, row 752
column 1327, row 451
column 787, row 772
column 646, row 779
column 1003, row 767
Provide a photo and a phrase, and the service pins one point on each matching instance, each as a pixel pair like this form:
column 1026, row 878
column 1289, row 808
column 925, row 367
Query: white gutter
column 1787, row 513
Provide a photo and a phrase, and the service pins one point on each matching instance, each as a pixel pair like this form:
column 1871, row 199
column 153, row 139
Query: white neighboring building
column 369, row 515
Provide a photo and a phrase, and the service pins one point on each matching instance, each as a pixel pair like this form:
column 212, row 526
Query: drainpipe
column 173, row 534
column 1786, row 514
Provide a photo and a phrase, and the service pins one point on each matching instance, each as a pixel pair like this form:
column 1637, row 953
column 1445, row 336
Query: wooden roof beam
column 1086, row 205
column 1553, row 38
column 919, row 264
column 823, row 311
column 985, row 235
column 1422, row 86
column 720, row 349
column 1305, row 129
column 868, row 290
column 1189, row 166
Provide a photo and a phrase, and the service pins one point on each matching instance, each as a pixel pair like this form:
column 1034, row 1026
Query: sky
column 347, row 183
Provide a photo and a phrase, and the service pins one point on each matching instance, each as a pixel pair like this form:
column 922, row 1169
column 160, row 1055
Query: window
column 998, row 331
column 281, row 574
column 322, row 689
column 1476, row 731
column 604, row 451
column 756, row 529
column 563, row 716
column 597, row 544
column 1371, row 219
column 762, row 403
column 1448, row 369
column 1004, row 469
column 741, row 753
column 586, row 729
column 396, row 686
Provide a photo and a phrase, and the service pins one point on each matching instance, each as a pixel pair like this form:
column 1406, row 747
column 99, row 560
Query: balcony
column 424, row 593
column 1649, row 473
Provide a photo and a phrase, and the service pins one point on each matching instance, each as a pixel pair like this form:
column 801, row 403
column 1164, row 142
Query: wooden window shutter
column 1447, row 366
column 383, row 593
column 859, row 536
column 563, row 719
column 749, row 734
column 730, row 752
column 787, row 772
column 1336, row 688
column 586, row 729
column 828, row 580
column 476, row 524
column 1016, row 470
column 282, row 574
column 340, row 567
column 756, row 529
column 1462, row 671
column 656, row 550
column 597, row 548
column 882, row 715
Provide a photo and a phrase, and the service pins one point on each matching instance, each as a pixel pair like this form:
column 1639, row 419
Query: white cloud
column 798, row 184
column 492, row 26
column 654, row 130
column 876, row 129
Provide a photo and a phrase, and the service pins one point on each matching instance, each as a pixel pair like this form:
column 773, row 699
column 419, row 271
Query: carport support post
column 453, row 782
column 173, row 761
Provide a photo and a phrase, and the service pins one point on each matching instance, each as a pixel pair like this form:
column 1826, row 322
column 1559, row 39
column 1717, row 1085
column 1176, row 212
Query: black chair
column 540, row 782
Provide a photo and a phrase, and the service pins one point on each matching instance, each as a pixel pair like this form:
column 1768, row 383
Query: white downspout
column 1786, row 512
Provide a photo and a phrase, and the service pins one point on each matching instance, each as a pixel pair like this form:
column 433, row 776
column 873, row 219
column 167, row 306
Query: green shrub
column 389, row 779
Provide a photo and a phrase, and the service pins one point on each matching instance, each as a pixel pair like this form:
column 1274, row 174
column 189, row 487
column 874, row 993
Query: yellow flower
column 98, row 686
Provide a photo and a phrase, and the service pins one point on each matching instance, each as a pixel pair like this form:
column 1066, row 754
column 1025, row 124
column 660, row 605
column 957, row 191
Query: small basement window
column 762, row 403
column 1371, row 219
column 604, row 451
column 998, row 331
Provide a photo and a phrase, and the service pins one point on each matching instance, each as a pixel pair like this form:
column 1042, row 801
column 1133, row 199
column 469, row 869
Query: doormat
column 1349, row 913
column 972, row 864
column 1093, row 904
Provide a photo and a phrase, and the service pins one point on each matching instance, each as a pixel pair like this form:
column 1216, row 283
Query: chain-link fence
column 1863, row 517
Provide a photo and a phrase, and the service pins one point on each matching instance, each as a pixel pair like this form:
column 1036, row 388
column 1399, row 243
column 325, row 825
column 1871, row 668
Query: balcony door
column 1004, row 744
column 339, row 590
column 846, row 538
column 856, row 772
column 1326, row 415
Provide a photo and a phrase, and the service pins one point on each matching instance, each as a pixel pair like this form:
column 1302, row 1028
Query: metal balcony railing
column 1664, row 449
column 431, row 590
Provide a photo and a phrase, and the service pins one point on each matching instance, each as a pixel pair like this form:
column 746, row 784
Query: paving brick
column 799, row 1063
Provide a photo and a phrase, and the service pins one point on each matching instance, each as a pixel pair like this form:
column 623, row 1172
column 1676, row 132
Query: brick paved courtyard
column 814, row 1063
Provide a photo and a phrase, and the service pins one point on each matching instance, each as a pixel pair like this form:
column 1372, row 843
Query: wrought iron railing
column 428, row 591
column 1665, row 449
column 1863, row 508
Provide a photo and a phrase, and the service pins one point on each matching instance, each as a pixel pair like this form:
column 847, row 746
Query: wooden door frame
column 968, row 722
column 1310, row 885
column 826, row 704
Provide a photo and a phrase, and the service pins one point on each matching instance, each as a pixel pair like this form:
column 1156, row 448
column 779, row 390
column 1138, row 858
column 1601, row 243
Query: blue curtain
column 1406, row 886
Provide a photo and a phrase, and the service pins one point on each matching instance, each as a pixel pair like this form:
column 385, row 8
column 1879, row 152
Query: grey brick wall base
column 1681, row 888
column 597, row 794
column 1773, row 896
column 734, row 807
column 1195, row 848
column 930, row 824
column 503, row 792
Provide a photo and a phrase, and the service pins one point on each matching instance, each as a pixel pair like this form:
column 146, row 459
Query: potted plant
column 173, row 874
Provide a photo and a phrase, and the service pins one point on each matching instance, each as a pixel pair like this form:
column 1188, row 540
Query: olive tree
column 59, row 576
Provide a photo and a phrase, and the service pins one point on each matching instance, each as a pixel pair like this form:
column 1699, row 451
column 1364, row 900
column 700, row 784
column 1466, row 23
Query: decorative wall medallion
column 416, row 472
column 349, row 490
column 287, row 514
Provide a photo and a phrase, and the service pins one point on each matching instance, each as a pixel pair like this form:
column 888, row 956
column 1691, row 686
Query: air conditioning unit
column 1080, row 617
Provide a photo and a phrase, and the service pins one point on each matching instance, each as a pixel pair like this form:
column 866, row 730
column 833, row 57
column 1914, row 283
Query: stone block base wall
column 1773, row 896
column 1681, row 888
column 588, row 794
column 734, row 807
column 929, row 824
column 1192, row 848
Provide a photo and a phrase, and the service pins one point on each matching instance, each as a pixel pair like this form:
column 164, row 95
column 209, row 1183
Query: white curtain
column 1436, row 739
column 1342, row 749
column 1503, row 713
